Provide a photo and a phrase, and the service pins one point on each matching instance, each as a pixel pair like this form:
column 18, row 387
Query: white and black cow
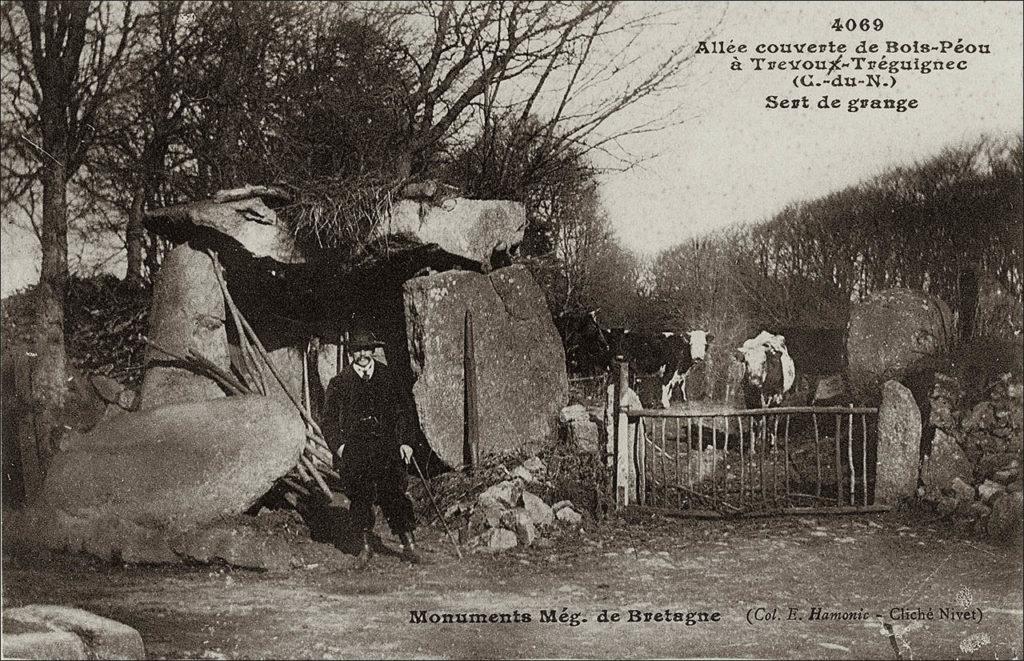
column 670, row 355
column 768, row 370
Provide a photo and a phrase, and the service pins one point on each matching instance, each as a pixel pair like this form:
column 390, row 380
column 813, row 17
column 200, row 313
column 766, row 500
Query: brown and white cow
column 768, row 370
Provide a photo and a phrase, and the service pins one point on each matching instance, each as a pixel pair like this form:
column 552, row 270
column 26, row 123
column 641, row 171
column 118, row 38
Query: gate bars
column 797, row 459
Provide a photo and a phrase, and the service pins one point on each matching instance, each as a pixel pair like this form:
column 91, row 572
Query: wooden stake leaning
column 314, row 436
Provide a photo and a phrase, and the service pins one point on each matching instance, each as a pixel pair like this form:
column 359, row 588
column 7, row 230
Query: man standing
column 370, row 430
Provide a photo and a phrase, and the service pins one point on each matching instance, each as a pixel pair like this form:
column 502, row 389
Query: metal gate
column 720, row 462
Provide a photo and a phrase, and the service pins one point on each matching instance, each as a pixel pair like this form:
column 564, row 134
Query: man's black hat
column 363, row 339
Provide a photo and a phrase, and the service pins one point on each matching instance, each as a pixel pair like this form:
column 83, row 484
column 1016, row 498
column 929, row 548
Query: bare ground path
column 865, row 565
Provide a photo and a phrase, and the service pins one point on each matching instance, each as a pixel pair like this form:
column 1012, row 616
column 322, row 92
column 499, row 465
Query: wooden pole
column 623, row 460
column 471, row 419
column 817, row 454
column 839, row 462
column 849, row 458
column 864, row 456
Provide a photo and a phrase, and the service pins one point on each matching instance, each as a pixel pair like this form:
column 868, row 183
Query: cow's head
column 699, row 341
column 754, row 360
column 755, row 353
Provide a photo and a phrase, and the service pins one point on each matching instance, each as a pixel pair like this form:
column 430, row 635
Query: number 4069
column 852, row 24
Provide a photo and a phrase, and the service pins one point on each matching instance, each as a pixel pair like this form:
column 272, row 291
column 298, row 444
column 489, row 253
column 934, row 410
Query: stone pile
column 973, row 470
column 507, row 514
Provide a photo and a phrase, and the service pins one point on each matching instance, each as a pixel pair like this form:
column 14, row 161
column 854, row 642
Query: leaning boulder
column 178, row 466
column 187, row 313
column 520, row 365
column 899, row 445
column 890, row 332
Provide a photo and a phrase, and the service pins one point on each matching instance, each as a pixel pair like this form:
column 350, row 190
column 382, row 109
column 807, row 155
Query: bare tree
column 59, row 61
column 575, row 64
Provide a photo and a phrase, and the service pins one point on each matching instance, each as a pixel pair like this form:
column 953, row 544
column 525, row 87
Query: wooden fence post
column 471, row 421
column 623, row 445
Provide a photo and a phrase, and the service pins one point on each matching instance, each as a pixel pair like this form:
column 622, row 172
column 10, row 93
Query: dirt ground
column 866, row 566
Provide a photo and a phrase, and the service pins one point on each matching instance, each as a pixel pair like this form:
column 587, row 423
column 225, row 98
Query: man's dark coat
column 373, row 419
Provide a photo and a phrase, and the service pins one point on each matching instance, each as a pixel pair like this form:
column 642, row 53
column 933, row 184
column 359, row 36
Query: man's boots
column 409, row 553
column 366, row 552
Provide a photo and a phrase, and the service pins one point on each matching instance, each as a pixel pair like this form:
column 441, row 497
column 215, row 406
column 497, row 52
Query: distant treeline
column 950, row 225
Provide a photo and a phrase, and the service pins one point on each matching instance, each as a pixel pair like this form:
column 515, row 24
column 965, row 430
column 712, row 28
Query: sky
column 735, row 161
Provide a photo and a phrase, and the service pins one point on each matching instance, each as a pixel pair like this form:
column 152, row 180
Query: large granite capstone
column 178, row 466
column 520, row 363
column 470, row 228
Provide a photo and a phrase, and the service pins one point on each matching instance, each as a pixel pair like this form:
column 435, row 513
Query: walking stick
column 436, row 508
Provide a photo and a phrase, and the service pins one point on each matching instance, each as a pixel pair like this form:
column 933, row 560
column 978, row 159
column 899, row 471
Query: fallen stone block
column 560, row 505
column 1006, row 476
column 42, row 644
column 103, row 638
column 509, row 492
column 988, row 489
column 489, row 510
column 1007, row 518
column 945, row 463
column 539, row 511
column 569, row 515
column 178, row 466
column 526, row 533
column 979, row 510
column 501, row 539
column 964, row 492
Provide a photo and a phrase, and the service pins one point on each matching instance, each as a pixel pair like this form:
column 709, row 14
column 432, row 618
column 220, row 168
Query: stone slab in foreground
column 178, row 466
column 42, row 631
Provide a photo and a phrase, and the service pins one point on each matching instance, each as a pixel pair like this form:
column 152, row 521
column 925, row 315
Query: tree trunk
column 134, row 237
column 50, row 373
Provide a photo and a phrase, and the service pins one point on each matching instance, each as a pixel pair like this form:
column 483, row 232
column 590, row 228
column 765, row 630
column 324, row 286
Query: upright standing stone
column 187, row 313
column 520, row 363
column 899, row 445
